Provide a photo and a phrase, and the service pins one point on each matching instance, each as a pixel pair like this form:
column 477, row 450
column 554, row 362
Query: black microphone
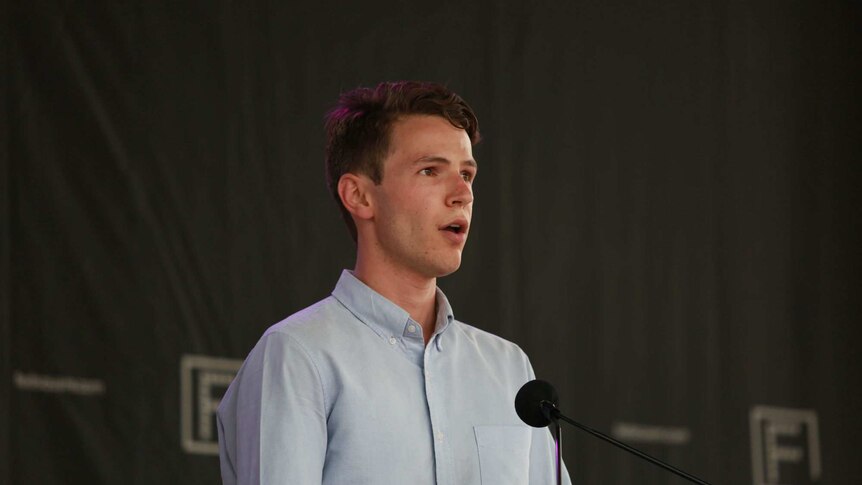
column 534, row 401
column 536, row 405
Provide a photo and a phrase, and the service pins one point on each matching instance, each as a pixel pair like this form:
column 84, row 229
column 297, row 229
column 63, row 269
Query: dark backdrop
column 667, row 219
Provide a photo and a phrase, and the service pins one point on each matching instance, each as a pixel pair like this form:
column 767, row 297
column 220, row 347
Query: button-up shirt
column 347, row 392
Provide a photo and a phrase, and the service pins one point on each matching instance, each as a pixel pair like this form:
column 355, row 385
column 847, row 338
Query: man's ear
column 354, row 191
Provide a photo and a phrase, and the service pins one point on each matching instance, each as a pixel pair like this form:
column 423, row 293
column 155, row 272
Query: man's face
column 425, row 202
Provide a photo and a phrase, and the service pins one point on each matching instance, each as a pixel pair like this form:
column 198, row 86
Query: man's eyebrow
column 439, row 159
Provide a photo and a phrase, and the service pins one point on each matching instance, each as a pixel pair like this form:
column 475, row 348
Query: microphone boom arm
column 555, row 414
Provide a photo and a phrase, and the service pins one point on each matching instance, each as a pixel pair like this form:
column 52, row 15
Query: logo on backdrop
column 82, row 386
column 785, row 446
column 651, row 434
column 203, row 382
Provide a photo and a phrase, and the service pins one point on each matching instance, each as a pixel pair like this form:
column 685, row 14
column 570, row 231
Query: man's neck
column 416, row 294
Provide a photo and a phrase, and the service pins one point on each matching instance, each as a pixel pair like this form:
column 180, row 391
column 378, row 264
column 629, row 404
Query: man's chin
column 448, row 268
column 437, row 265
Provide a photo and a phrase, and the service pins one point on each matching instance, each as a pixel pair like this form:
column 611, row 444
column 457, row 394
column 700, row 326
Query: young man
column 379, row 384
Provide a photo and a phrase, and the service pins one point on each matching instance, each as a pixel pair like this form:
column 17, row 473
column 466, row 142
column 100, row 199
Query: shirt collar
column 444, row 314
column 383, row 316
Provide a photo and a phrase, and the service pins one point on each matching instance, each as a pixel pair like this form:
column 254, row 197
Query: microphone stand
column 558, row 442
column 550, row 410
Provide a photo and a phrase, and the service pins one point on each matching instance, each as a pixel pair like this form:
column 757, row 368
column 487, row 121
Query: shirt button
column 411, row 328
column 392, row 340
column 439, row 436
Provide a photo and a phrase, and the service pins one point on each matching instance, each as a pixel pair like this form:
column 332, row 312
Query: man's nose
column 461, row 193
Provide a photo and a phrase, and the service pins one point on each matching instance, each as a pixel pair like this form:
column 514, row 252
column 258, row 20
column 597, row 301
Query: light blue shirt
column 347, row 392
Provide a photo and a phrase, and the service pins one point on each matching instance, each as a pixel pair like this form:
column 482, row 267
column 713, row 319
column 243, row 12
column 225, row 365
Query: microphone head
column 528, row 402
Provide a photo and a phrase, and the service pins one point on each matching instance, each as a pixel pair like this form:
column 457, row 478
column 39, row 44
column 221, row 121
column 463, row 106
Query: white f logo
column 203, row 380
column 773, row 431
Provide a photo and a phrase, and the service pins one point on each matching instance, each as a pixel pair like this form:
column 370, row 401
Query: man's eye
column 467, row 176
column 427, row 171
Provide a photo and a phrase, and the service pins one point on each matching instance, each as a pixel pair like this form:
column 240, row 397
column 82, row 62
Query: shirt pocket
column 504, row 454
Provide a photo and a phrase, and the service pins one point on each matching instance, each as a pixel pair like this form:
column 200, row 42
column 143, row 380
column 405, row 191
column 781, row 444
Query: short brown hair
column 358, row 127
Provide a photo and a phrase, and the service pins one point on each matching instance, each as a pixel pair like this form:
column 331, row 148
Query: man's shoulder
column 317, row 320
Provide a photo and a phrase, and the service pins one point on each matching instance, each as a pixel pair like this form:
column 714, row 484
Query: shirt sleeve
column 272, row 421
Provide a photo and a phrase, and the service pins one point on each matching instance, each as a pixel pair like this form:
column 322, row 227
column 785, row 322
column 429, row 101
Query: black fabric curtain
column 666, row 220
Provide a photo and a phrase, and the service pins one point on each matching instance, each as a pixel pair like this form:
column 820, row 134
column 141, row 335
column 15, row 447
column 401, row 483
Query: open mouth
column 456, row 228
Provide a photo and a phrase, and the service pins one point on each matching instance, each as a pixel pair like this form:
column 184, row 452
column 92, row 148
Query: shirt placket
column 437, row 413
